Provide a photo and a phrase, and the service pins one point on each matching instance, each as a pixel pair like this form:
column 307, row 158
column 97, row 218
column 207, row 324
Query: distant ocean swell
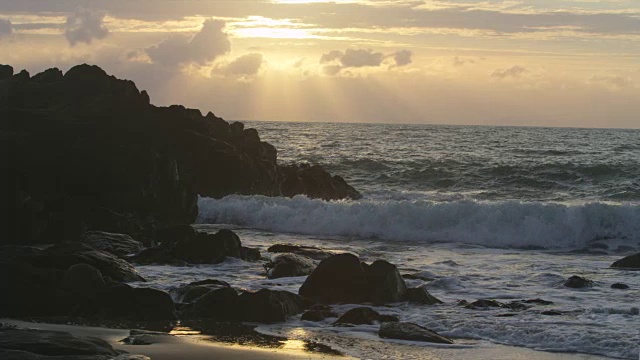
column 509, row 224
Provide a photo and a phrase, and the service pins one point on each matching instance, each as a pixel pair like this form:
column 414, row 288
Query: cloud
column 207, row 45
column 337, row 60
column 6, row 28
column 402, row 57
column 614, row 81
column 243, row 66
column 512, row 72
column 84, row 26
column 458, row 61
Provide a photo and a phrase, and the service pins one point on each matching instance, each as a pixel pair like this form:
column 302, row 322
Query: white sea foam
column 492, row 224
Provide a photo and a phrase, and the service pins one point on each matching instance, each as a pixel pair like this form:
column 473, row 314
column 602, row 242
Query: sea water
column 505, row 213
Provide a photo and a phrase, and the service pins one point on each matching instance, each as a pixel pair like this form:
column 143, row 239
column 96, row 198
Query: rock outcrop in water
column 629, row 262
column 86, row 151
column 344, row 279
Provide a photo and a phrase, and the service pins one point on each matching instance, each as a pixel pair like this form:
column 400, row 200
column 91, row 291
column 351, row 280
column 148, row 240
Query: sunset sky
column 506, row 62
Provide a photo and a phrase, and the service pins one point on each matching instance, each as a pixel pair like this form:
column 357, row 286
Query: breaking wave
column 502, row 224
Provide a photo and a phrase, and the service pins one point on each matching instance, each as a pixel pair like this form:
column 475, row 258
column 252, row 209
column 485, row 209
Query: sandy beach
column 200, row 347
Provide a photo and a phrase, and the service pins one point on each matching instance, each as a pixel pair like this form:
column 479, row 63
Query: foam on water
column 494, row 224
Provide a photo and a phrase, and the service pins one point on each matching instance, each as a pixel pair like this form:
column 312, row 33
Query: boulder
column 123, row 302
column 578, row 282
column 156, row 256
column 250, row 254
column 37, row 344
column 84, row 281
column 208, row 248
column 629, row 262
column 63, row 256
column 269, row 306
column 308, row 251
column 484, row 304
column 337, row 279
column 168, row 237
column 619, row 286
column 119, row 245
column 363, row 315
column 317, row 315
column 385, row 283
column 412, row 332
column 288, row 265
column 421, row 296
column 220, row 304
column 191, row 292
column 315, row 182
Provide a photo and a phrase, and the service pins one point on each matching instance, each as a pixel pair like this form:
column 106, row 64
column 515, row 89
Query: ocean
column 505, row 213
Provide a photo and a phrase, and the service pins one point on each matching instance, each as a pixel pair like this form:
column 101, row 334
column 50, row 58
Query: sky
column 573, row 63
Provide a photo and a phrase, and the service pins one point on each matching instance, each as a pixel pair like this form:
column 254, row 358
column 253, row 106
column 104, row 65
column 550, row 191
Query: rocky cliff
column 86, row 151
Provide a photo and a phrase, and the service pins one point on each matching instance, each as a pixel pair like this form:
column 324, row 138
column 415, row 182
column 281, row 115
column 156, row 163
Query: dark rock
column 121, row 301
column 578, row 282
column 339, row 278
column 269, row 306
column 516, row 306
column 315, row 182
column 90, row 153
column 484, row 303
column 157, row 256
column 6, row 72
column 288, row 265
column 629, row 262
column 220, row 304
column 551, row 313
column 359, row 316
column 58, row 344
column 209, row 249
column 193, row 291
column 410, row 331
column 83, row 281
column 417, row 276
column 619, row 286
column 538, row 302
column 318, row 315
column 63, row 256
column 421, row 296
column 250, row 254
column 29, row 291
column 308, row 251
column 386, row 284
column 170, row 236
column 119, row 245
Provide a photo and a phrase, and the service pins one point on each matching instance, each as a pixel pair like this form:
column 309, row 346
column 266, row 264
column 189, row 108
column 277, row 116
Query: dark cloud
column 6, row 28
column 402, row 57
column 512, row 72
column 245, row 65
column 204, row 47
column 84, row 26
column 357, row 58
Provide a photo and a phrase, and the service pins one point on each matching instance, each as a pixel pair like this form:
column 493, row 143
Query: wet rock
column 191, row 292
column 417, row 276
column 308, row 251
column 219, row 304
column 578, row 282
column 84, row 281
column 359, row 316
column 551, row 313
column 538, row 302
column 250, row 254
column 288, row 265
column 315, row 182
column 619, row 286
column 339, row 278
column 208, row 248
column 629, row 262
column 156, row 256
column 421, row 296
column 168, row 237
column 269, row 306
column 35, row 344
column 387, row 286
column 318, row 315
column 63, row 256
column 119, row 245
column 410, row 331
column 484, row 304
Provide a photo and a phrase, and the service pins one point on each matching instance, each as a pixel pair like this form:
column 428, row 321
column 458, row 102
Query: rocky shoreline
column 99, row 180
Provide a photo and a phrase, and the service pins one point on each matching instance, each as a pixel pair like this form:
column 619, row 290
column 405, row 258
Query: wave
column 504, row 224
